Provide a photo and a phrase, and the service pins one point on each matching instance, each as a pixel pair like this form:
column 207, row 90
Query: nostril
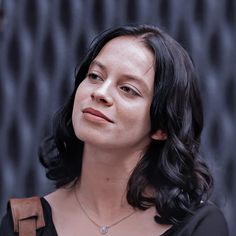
column 103, row 100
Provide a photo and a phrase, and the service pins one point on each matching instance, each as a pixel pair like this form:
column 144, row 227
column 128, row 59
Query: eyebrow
column 127, row 76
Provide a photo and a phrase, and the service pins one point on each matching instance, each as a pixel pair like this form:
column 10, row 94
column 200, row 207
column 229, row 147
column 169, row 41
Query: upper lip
column 96, row 113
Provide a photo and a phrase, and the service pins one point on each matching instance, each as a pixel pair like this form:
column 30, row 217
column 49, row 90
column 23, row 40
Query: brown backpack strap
column 27, row 214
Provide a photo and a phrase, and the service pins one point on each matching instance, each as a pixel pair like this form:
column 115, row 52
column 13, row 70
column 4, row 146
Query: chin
column 89, row 136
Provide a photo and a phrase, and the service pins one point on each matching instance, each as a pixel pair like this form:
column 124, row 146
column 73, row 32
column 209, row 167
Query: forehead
column 133, row 46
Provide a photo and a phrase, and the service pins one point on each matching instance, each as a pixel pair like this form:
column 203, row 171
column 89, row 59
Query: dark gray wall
column 41, row 42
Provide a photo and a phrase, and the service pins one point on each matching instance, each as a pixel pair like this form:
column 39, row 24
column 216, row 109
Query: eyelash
column 126, row 89
column 94, row 76
column 130, row 91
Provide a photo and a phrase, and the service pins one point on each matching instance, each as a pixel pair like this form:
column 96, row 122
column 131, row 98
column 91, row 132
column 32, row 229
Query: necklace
column 103, row 229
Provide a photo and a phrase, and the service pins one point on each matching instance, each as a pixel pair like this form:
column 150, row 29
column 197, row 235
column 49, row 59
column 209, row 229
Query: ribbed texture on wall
column 42, row 41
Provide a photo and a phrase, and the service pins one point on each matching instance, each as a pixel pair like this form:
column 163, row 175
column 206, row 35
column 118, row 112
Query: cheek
column 137, row 117
column 75, row 113
column 80, row 94
column 77, row 104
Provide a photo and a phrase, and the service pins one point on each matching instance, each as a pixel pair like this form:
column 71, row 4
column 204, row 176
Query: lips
column 97, row 113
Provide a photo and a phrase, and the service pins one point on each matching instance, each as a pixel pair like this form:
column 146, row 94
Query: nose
column 102, row 94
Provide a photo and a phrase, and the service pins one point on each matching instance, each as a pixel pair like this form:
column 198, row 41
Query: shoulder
column 206, row 220
column 209, row 221
column 209, row 212
column 59, row 198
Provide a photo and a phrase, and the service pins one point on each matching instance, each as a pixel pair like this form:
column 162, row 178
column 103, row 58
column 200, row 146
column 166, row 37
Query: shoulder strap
column 27, row 214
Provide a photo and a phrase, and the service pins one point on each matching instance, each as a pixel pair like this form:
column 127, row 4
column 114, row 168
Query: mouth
column 96, row 113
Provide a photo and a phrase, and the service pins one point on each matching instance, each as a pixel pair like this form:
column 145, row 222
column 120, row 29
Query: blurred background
column 42, row 41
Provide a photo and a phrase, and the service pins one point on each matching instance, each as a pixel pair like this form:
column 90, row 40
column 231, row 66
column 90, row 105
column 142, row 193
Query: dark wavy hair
column 173, row 169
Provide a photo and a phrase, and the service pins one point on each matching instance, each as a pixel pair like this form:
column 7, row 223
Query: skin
column 122, row 92
column 119, row 84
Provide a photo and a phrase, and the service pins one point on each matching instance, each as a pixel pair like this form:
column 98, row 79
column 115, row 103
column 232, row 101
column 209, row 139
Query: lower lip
column 94, row 118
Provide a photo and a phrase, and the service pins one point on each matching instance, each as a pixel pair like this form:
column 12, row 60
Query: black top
column 206, row 220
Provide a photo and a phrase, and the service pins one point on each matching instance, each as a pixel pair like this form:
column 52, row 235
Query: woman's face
column 112, row 104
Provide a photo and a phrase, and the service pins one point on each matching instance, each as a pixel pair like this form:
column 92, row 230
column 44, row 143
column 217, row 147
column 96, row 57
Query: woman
column 125, row 149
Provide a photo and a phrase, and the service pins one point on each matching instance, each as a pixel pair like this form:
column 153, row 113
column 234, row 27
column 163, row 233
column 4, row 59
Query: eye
column 129, row 91
column 94, row 76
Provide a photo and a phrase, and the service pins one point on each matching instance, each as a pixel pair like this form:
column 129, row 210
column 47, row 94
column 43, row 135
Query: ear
column 159, row 135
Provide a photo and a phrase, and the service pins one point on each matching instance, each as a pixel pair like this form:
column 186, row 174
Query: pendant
column 103, row 229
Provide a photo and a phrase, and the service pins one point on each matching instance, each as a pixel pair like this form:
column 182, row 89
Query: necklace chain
column 103, row 229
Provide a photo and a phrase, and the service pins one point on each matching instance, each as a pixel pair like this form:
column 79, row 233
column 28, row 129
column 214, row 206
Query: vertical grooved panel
column 41, row 43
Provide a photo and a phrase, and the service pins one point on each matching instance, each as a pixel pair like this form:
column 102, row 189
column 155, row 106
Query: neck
column 104, row 177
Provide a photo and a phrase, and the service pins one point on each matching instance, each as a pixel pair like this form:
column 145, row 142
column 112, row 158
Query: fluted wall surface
column 42, row 41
